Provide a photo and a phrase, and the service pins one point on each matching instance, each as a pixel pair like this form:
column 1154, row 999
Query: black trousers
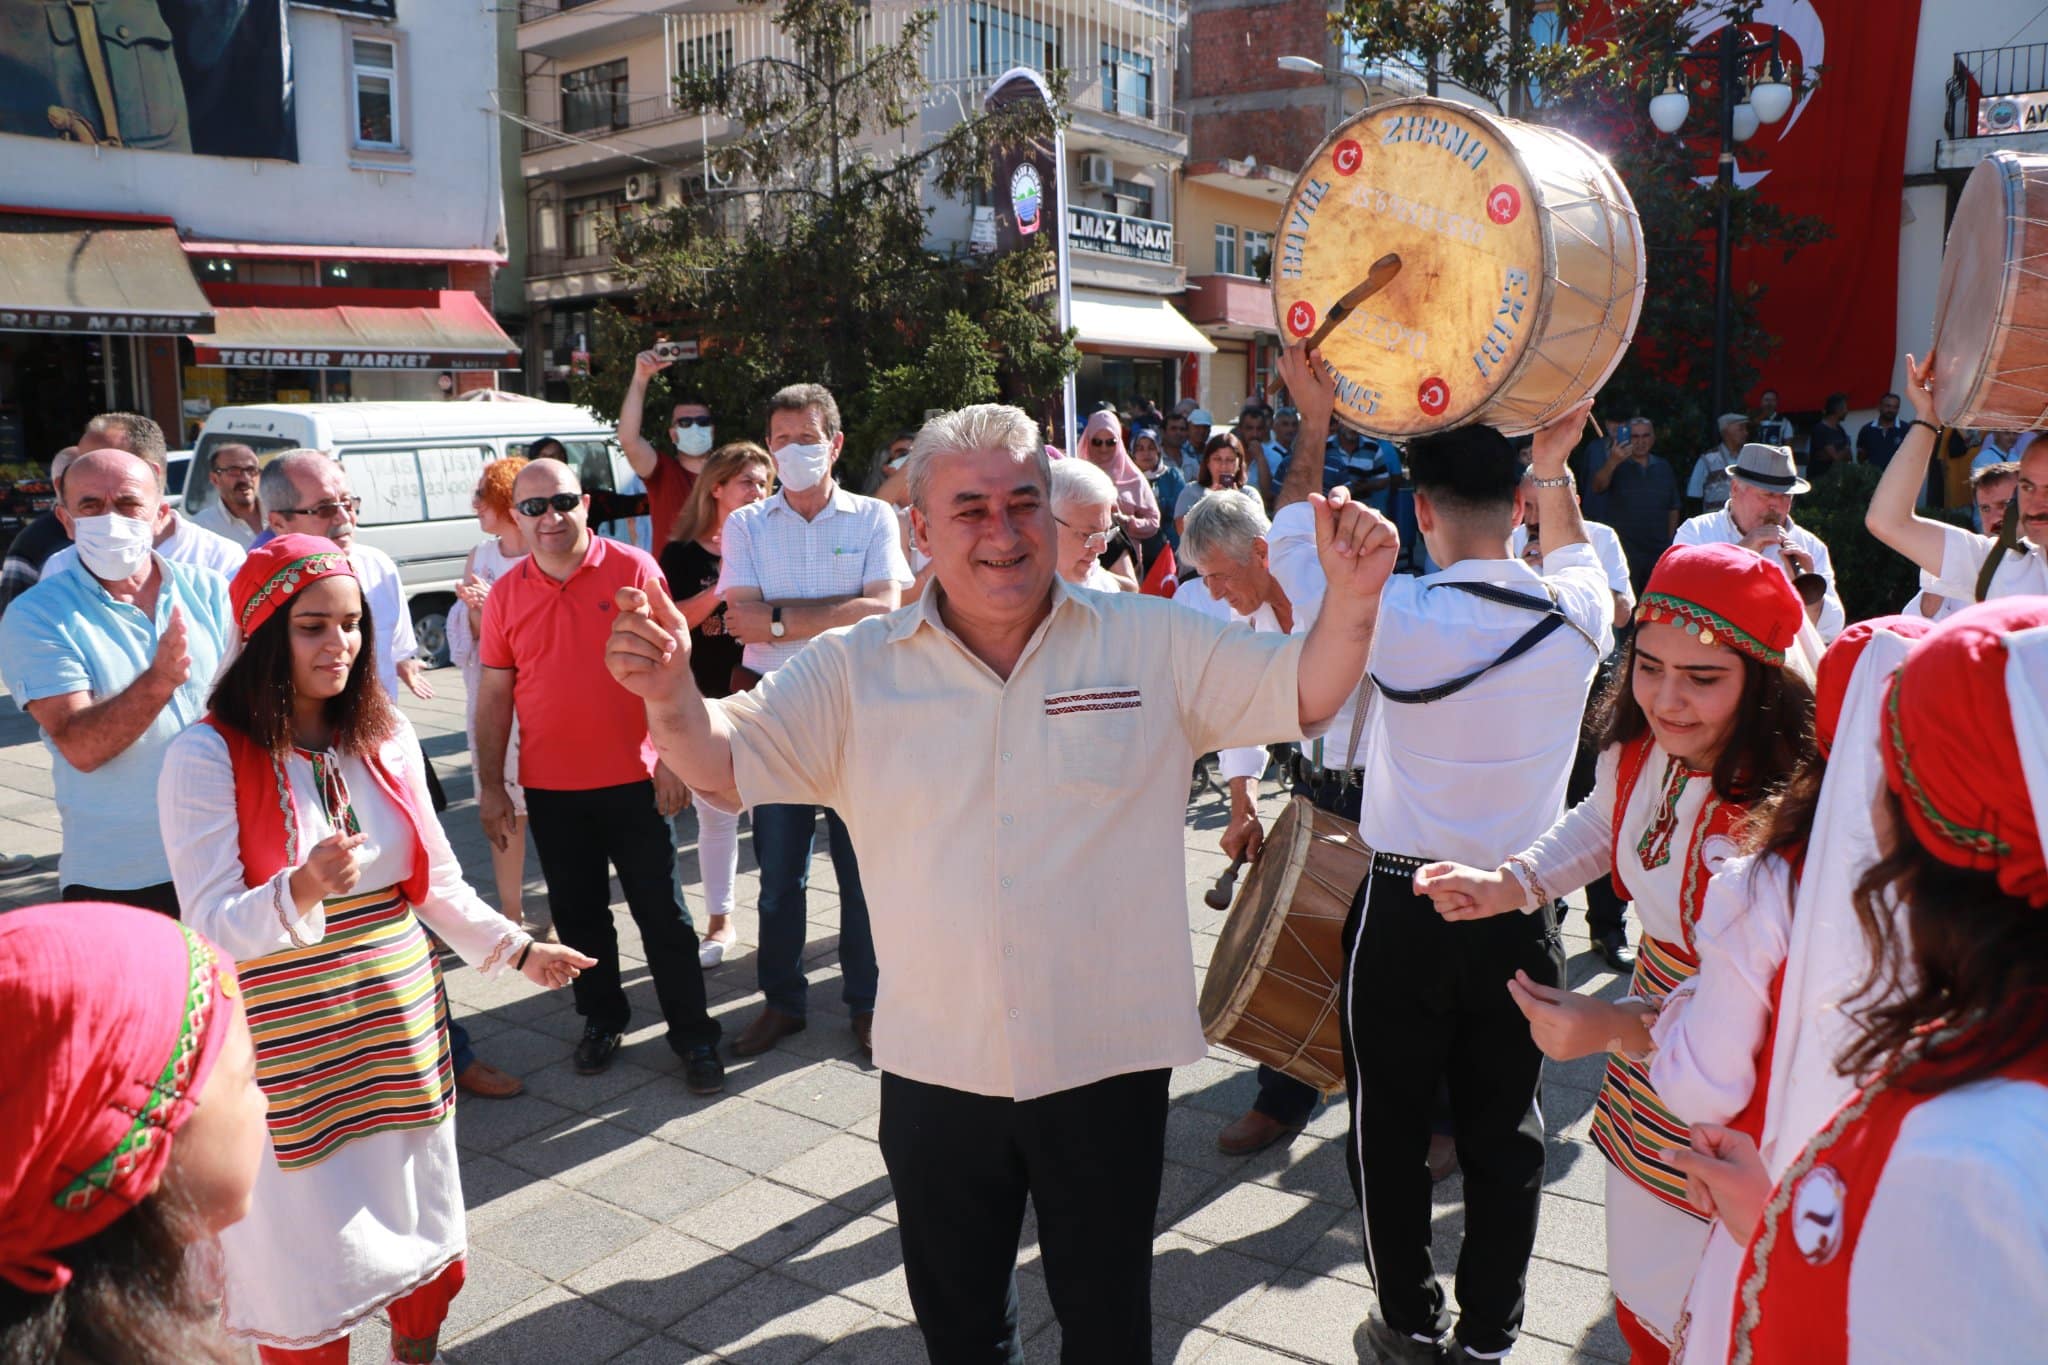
column 1425, row 1003
column 1606, row 913
column 576, row 834
column 162, row 898
column 1281, row 1097
column 1090, row 1160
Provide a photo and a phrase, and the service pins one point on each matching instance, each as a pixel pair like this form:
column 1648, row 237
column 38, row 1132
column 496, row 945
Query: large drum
column 1521, row 268
column 1272, row 988
column 1991, row 318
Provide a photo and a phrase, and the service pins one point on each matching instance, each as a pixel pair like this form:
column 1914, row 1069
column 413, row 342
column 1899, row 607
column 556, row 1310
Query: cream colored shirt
column 1022, row 844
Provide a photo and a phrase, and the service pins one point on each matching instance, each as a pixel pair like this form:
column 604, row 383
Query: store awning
column 457, row 333
column 112, row 277
column 1134, row 322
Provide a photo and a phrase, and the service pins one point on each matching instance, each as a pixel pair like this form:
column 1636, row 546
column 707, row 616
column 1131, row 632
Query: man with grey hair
column 1011, row 756
column 233, row 511
column 1084, row 507
column 812, row 558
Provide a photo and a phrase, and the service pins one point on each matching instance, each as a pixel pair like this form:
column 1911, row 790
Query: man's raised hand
column 649, row 649
column 1355, row 545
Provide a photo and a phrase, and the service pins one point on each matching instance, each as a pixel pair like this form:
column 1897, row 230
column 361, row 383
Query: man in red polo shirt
column 585, row 761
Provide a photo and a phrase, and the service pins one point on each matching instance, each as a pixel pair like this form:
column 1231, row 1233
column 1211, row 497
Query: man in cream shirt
column 1041, row 982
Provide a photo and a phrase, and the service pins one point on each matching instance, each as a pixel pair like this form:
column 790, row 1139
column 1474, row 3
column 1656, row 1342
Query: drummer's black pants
column 1425, row 1003
column 1090, row 1160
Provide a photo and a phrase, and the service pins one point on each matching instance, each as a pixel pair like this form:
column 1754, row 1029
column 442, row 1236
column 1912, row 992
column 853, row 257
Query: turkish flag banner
column 1838, row 156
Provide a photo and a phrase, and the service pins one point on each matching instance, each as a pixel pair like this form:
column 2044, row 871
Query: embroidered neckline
column 1654, row 848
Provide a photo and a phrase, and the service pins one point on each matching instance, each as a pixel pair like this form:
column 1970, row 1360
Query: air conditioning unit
column 642, row 186
column 1098, row 172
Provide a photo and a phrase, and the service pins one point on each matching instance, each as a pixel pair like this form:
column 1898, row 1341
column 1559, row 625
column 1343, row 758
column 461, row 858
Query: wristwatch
column 775, row 626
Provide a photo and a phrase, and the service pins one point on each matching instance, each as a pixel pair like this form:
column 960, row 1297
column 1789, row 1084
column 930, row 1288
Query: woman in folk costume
column 1714, row 1034
column 131, row 1129
column 303, row 843
column 1914, row 1225
column 1704, row 719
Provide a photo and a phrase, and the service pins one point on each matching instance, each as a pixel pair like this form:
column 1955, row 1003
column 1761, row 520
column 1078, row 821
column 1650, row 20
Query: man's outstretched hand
column 649, row 649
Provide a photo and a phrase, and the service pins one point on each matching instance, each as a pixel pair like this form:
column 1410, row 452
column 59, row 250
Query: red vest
column 1801, row 1291
column 267, row 825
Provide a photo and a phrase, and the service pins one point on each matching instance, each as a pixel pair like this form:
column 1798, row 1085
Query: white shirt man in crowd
column 233, row 512
column 980, row 742
column 1992, row 489
column 1709, row 482
column 113, row 654
column 809, row 559
column 1772, row 427
column 1956, row 558
column 1453, row 651
column 1758, row 517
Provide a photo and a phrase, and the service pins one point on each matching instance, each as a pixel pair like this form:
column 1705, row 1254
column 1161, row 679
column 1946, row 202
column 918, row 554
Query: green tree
column 812, row 262
column 1596, row 83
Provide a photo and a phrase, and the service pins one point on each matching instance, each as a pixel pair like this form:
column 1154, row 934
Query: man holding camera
column 1641, row 489
column 1761, row 485
column 668, row 478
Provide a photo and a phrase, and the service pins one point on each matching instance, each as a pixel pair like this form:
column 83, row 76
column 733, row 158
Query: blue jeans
column 460, row 1053
column 782, row 845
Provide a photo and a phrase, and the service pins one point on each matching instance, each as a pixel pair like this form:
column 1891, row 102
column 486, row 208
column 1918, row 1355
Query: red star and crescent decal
column 1347, row 156
column 1504, row 204
column 1433, row 397
column 1301, row 317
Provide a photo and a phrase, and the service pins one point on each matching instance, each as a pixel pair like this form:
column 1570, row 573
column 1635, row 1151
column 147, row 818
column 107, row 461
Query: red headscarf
column 114, row 1018
column 1725, row 595
column 1838, row 666
column 1952, row 752
column 277, row 569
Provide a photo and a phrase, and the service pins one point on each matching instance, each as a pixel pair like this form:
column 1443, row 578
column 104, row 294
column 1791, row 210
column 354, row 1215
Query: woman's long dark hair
column 1773, row 732
column 132, row 1300
column 1967, row 954
column 255, row 694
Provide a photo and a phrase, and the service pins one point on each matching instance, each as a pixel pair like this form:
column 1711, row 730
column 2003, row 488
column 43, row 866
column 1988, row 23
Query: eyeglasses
column 251, row 470
column 560, row 502
column 693, row 422
column 327, row 511
column 1089, row 539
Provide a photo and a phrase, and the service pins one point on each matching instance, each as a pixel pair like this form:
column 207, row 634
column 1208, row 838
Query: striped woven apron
column 1630, row 1124
column 351, row 1037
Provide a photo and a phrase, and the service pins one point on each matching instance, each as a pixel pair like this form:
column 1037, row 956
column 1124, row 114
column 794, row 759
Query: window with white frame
column 1226, row 249
column 998, row 40
column 594, row 98
column 1258, row 253
column 1126, row 82
column 705, row 54
column 373, row 72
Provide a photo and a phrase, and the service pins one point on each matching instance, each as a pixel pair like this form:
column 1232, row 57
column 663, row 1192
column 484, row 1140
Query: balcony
column 1997, row 99
column 1230, row 305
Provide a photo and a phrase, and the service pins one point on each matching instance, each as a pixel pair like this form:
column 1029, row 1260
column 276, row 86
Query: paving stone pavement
column 620, row 1219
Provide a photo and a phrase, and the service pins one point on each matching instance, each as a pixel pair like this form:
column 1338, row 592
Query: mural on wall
column 205, row 77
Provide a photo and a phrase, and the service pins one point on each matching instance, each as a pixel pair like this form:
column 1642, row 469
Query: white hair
column 1077, row 484
column 971, row 431
column 1223, row 524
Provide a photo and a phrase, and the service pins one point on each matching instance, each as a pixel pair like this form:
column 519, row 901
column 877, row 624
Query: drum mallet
column 1383, row 270
column 1218, row 896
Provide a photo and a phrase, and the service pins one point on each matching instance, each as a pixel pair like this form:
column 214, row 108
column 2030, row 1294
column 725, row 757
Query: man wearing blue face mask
column 113, row 655
column 809, row 559
column 669, row 478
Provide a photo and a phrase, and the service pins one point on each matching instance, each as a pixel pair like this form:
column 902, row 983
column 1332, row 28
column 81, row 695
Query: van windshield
column 199, row 489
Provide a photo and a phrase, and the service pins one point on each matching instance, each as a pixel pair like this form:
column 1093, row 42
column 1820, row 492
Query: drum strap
column 1553, row 617
column 2008, row 543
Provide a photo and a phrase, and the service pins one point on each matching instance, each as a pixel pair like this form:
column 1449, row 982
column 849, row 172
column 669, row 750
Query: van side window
column 449, row 475
column 388, row 482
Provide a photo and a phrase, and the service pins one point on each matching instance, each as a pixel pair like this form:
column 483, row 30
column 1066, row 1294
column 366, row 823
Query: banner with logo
column 207, row 80
column 1030, row 193
column 1838, row 156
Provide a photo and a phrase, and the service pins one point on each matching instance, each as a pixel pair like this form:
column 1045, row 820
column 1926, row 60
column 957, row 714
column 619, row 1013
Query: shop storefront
column 1135, row 345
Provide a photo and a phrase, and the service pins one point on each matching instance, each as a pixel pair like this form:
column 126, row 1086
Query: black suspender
column 1553, row 617
column 2007, row 542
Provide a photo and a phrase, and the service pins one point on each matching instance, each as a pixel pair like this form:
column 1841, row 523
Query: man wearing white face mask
column 668, row 478
column 112, row 656
column 811, row 558
column 178, row 540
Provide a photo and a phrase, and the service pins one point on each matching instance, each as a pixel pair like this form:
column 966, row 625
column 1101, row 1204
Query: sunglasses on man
column 538, row 507
column 693, row 421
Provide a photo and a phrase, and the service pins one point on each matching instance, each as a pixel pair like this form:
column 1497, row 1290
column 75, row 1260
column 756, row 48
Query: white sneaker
column 710, row 952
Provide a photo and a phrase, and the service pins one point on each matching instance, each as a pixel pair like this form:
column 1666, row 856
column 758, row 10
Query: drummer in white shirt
column 1761, row 485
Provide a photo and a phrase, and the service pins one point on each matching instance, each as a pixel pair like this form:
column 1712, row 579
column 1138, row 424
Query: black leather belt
column 1398, row 863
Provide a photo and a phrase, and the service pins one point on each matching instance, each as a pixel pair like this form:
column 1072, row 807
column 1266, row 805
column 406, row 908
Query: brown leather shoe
column 1253, row 1133
column 864, row 1031
column 1443, row 1156
column 770, row 1027
column 481, row 1078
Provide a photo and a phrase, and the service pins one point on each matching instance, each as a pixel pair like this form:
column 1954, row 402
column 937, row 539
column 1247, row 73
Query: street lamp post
column 1740, row 111
column 1309, row 66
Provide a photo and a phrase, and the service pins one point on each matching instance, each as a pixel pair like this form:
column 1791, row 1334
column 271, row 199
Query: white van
column 414, row 465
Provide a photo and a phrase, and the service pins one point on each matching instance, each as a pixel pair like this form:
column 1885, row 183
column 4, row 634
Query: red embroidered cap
column 277, row 569
column 1725, row 595
column 1952, row 755
column 114, row 1018
column 1838, row 666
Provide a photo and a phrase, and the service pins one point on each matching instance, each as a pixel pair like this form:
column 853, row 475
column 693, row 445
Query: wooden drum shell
column 1990, row 341
column 1274, row 982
